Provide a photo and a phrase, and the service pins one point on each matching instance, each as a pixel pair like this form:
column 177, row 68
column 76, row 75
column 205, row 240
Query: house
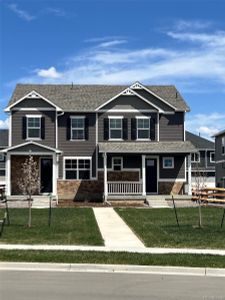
column 203, row 161
column 3, row 145
column 220, row 158
column 94, row 141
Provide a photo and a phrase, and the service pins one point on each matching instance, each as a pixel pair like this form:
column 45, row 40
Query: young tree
column 29, row 182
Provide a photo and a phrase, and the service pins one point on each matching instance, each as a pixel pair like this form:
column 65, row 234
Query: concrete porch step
column 157, row 201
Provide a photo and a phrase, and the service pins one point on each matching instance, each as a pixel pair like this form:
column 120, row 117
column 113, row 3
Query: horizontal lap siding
column 77, row 148
column 178, row 172
column 33, row 103
column 127, row 116
column 171, row 127
column 17, row 127
column 130, row 161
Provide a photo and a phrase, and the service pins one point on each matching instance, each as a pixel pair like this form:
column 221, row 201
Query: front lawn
column 157, row 227
column 70, row 226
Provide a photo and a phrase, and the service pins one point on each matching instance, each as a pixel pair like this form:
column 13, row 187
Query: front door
column 46, row 175
column 151, row 176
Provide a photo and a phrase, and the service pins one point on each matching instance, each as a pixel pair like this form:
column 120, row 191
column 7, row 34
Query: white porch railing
column 124, row 188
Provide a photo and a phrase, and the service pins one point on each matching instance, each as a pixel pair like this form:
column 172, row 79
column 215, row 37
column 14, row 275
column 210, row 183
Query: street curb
column 102, row 268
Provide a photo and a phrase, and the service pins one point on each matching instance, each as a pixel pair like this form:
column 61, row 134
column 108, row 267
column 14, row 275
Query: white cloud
column 55, row 11
column 21, row 13
column 4, row 124
column 50, row 73
column 182, row 25
column 112, row 43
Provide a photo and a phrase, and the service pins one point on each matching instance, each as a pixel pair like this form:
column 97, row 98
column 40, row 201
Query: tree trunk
column 200, row 214
column 29, row 216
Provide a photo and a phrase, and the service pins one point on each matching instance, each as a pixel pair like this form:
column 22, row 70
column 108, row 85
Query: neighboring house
column 99, row 140
column 220, row 158
column 203, row 161
column 3, row 144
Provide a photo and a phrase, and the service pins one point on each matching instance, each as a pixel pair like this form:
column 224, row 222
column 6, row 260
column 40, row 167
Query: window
column 77, row 128
column 2, row 172
column 117, row 163
column 143, row 128
column 223, row 145
column 77, row 168
column 195, row 157
column 168, row 162
column 115, row 128
column 1, row 157
column 212, row 157
column 33, row 127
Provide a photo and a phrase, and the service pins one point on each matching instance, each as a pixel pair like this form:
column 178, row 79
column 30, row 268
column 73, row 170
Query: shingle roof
column 89, row 97
column 222, row 132
column 199, row 142
column 4, row 133
column 147, row 147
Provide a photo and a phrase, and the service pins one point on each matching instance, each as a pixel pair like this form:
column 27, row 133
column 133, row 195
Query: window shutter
column 125, row 129
column 133, row 129
column 68, row 129
column 24, row 128
column 86, row 128
column 106, row 129
column 152, row 129
column 43, row 128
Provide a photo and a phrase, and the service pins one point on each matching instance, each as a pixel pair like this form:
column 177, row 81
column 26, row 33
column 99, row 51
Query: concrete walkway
column 114, row 230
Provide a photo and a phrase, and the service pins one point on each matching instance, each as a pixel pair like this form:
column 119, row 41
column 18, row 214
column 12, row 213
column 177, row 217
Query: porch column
column 105, row 177
column 8, row 174
column 189, row 175
column 143, row 176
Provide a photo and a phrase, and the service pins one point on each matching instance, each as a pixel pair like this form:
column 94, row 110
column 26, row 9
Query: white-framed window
column 195, row 157
column 143, row 128
column 1, row 157
column 223, row 145
column 2, row 172
column 117, row 163
column 168, row 162
column 77, row 127
column 33, row 127
column 212, row 157
column 78, row 168
column 115, row 128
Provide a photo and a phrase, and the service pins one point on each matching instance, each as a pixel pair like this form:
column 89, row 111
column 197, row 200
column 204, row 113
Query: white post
column 143, row 176
column 8, row 174
column 105, row 177
column 189, row 175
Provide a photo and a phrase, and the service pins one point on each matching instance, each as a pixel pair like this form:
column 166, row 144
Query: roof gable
column 199, row 142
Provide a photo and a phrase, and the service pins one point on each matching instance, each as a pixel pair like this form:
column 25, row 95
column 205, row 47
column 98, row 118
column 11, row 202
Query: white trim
column 105, row 176
column 196, row 161
column 113, row 163
column 77, row 168
column 8, row 174
column 129, row 91
column 157, row 127
column 141, row 86
column 142, row 117
column 121, row 129
column 128, row 110
column 168, row 158
column 32, row 143
column 171, row 180
column 33, row 109
column 115, row 117
column 96, row 145
column 149, row 128
column 77, row 128
column 32, row 95
column 77, row 117
column 223, row 145
column 10, row 129
column 184, row 129
column 33, row 116
column 56, row 130
column 39, row 127
column 189, row 175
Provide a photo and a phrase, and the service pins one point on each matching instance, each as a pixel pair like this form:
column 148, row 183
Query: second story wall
column 171, row 127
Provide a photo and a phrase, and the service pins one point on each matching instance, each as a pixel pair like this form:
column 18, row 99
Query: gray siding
column 17, row 127
column 127, row 116
column 171, row 127
column 218, row 147
column 209, row 165
column 130, row 161
column 128, row 102
column 33, row 103
column 178, row 172
column 33, row 148
column 220, row 165
column 154, row 100
column 77, row 148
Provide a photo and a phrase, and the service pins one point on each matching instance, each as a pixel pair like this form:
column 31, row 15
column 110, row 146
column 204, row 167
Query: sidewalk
column 114, row 230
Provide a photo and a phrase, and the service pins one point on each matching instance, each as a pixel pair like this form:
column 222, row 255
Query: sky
column 119, row 42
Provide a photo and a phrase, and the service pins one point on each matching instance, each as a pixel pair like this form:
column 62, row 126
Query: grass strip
column 91, row 257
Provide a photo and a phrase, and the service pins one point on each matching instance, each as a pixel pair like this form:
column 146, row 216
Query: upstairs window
column 143, row 128
column 33, row 127
column 195, row 157
column 115, row 128
column 77, row 128
column 223, row 145
column 78, row 168
column 117, row 163
column 212, row 157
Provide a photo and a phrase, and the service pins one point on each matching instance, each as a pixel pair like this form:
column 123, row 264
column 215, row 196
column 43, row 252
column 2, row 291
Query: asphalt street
column 35, row 285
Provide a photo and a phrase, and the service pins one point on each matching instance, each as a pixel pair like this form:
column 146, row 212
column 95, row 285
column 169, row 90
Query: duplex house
column 220, row 158
column 3, row 145
column 94, row 141
column 203, row 161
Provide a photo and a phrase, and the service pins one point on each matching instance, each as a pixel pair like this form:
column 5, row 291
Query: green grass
column 70, row 226
column 157, row 227
column 113, row 258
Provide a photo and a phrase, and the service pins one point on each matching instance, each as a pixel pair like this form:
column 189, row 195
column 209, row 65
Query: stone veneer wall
column 166, row 188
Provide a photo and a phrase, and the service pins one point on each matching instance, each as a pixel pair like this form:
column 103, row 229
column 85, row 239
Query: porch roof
column 31, row 146
column 147, row 147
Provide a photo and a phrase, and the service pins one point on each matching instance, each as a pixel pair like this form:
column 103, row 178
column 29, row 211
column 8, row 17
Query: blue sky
column 154, row 42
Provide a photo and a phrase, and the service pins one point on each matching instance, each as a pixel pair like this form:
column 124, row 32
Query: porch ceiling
column 147, row 147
